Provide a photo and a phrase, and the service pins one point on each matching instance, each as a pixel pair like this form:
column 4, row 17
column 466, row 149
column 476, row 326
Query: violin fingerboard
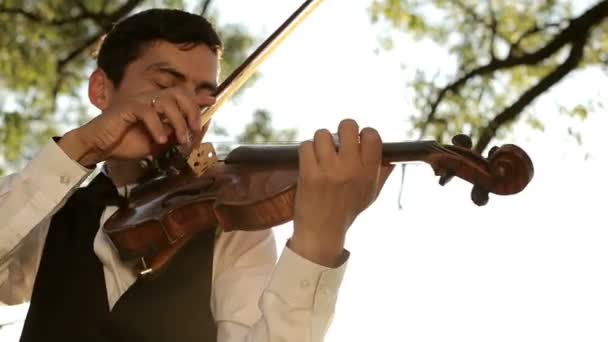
column 202, row 158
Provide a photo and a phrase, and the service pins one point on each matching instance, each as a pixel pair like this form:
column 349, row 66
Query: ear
column 100, row 89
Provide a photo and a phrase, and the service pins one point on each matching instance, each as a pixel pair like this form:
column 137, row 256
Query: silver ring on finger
column 153, row 102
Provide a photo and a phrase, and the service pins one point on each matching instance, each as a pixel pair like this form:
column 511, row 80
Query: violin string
column 431, row 147
column 287, row 142
column 442, row 149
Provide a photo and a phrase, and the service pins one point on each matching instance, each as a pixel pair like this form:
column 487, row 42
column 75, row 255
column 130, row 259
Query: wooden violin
column 253, row 187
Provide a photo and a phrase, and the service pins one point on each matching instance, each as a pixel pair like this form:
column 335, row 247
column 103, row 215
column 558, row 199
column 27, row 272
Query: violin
column 253, row 186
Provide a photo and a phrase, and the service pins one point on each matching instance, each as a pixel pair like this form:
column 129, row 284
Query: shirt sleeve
column 257, row 298
column 27, row 201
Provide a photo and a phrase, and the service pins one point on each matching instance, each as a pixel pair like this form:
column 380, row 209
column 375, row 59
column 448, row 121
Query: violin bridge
column 202, row 158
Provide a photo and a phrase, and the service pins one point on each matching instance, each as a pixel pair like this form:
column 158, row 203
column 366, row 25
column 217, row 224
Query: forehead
column 197, row 62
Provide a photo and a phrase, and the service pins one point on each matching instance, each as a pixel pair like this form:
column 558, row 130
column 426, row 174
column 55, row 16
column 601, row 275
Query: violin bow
column 241, row 74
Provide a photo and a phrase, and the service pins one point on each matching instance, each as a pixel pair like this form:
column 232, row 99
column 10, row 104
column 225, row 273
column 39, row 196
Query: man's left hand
column 335, row 185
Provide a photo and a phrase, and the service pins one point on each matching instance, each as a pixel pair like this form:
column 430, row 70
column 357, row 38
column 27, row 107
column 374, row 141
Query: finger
column 348, row 132
column 206, row 101
column 371, row 147
column 307, row 160
column 151, row 121
column 324, row 148
column 167, row 106
column 190, row 109
column 197, row 139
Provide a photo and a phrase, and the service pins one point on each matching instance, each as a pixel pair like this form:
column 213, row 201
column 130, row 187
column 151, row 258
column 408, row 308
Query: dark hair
column 127, row 39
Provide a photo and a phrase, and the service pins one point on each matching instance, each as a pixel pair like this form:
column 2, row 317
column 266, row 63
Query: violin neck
column 409, row 151
column 286, row 154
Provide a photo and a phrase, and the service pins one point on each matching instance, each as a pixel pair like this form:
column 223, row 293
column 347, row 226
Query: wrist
column 324, row 250
column 78, row 149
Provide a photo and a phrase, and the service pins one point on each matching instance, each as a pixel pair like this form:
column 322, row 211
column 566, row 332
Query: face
column 162, row 65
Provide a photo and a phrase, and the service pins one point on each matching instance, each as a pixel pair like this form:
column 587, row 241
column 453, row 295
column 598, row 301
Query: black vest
column 69, row 300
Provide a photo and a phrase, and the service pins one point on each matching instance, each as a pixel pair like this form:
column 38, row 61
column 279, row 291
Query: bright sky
column 528, row 267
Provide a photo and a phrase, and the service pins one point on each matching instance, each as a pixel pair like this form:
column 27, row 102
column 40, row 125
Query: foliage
column 508, row 53
column 260, row 130
column 46, row 57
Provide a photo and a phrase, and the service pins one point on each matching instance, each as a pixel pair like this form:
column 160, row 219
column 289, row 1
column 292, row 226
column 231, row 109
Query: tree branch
column 471, row 13
column 492, row 26
column 533, row 30
column 61, row 64
column 37, row 18
column 99, row 18
column 493, row 30
column 206, row 5
column 510, row 113
column 577, row 28
column 121, row 12
column 104, row 24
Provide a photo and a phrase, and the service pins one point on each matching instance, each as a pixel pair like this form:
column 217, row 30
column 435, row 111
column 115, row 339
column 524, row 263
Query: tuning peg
column 145, row 164
column 479, row 195
column 462, row 140
column 492, row 150
column 443, row 180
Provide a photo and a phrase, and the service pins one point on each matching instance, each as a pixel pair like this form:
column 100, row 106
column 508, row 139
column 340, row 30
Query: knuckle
column 174, row 91
column 180, row 127
column 339, row 180
column 146, row 111
column 318, row 178
column 180, row 95
column 342, row 178
column 172, row 106
column 172, row 97
column 313, row 180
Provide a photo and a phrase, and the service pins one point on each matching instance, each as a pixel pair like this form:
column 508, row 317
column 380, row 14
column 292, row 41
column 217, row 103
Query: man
column 156, row 71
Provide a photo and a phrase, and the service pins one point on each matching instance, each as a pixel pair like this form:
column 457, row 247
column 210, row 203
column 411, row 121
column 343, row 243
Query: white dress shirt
column 255, row 297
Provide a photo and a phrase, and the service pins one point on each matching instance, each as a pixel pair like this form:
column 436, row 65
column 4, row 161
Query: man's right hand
column 137, row 127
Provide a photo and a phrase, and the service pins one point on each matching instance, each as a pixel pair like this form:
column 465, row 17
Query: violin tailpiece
column 202, row 158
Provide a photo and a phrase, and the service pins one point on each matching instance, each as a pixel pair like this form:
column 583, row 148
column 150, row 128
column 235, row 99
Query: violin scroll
column 511, row 168
column 506, row 171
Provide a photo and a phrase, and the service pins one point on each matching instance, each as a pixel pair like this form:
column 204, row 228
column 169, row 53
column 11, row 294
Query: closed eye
column 161, row 86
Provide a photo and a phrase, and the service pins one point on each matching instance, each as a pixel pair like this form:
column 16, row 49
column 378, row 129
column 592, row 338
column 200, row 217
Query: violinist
column 156, row 70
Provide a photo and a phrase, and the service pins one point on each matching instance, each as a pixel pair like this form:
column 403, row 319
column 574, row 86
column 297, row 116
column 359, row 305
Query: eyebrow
column 168, row 69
